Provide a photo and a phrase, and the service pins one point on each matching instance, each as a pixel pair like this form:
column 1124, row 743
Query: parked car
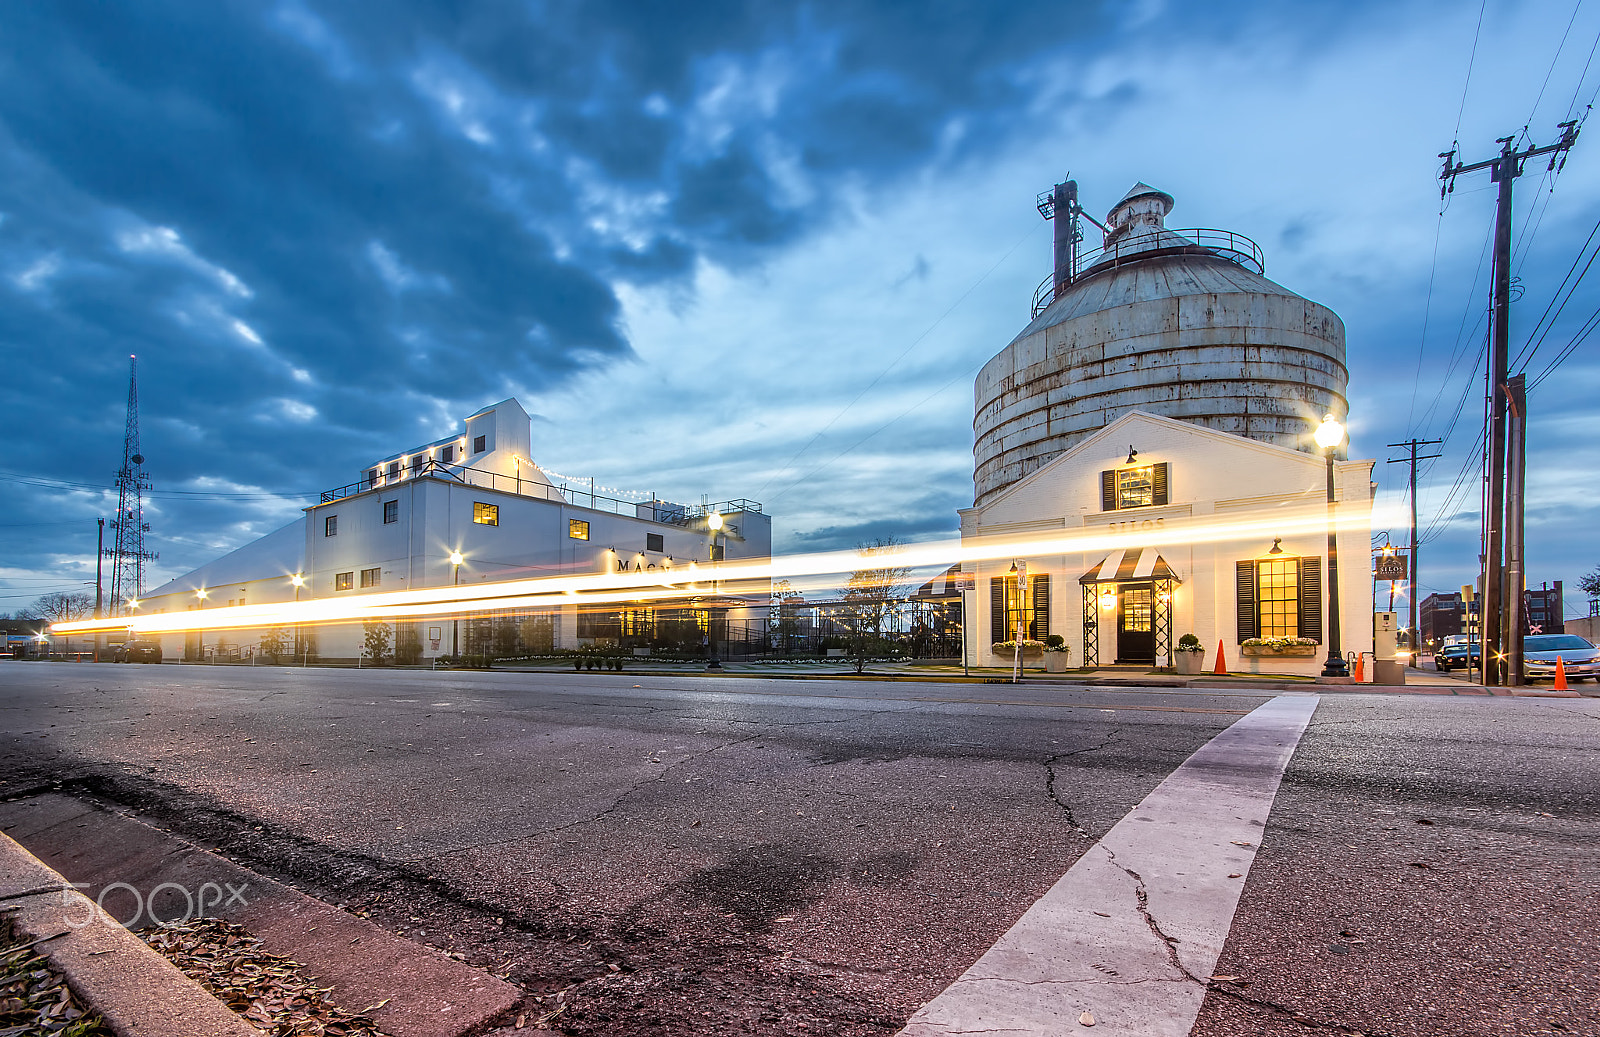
column 1579, row 658
column 137, row 652
column 1456, row 656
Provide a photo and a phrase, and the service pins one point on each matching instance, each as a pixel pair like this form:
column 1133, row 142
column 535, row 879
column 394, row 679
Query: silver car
column 1579, row 658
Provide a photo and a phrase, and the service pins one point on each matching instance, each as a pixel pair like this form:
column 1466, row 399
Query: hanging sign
column 1390, row 567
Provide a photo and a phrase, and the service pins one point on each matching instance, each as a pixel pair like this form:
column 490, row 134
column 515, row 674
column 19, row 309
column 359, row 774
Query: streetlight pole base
column 1335, row 667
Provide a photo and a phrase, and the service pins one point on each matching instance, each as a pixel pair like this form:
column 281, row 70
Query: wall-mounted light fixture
column 1132, row 453
column 1108, row 600
column 1277, row 546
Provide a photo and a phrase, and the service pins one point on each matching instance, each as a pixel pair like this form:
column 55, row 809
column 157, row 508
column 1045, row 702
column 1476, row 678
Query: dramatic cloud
column 736, row 249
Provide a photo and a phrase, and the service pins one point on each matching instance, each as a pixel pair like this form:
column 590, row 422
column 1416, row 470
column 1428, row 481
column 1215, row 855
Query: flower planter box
column 1055, row 662
column 1189, row 663
column 1297, row 651
column 1029, row 655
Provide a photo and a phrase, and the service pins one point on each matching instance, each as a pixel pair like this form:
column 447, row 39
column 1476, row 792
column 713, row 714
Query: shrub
column 1055, row 643
column 1190, row 643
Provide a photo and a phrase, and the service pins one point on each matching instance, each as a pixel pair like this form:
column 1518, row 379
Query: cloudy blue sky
column 751, row 250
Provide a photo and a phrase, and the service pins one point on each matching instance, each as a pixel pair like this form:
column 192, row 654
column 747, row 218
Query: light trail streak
column 723, row 579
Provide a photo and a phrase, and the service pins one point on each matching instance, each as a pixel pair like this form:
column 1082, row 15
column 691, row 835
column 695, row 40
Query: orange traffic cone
column 1561, row 675
column 1222, row 662
column 1361, row 669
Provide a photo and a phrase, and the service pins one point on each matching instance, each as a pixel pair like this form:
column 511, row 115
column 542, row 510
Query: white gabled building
column 1172, row 489
column 477, row 494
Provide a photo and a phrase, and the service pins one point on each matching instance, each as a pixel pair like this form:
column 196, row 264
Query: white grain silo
column 1176, row 323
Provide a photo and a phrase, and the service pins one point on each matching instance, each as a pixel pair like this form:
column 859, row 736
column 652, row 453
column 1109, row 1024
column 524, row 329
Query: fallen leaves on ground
column 34, row 997
column 269, row 991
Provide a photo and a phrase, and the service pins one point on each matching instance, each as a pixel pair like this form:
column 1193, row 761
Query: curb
column 132, row 987
column 420, row 991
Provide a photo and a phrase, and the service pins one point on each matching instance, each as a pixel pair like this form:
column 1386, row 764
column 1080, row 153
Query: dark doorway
column 1136, row 639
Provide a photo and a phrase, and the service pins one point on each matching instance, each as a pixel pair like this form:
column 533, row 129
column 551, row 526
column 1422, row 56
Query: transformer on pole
column 129, row 555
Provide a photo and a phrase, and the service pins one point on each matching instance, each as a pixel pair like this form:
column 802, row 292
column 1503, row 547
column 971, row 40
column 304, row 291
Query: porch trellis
column 1134, row 566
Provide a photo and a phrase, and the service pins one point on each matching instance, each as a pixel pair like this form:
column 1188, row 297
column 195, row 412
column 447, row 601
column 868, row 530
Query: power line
column 65, row 484
column 1552, row 68
column 1471, row 58
column 1527, row 353
column 1578, row 339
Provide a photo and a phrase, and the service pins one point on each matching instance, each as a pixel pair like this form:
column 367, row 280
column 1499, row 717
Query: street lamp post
column 714, row 524
column 299, row 581
column 456, row 559
column 1328, row 436
column 201, row 637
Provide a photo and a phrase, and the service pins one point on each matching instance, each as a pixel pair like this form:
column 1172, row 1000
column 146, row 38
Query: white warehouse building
column 469, row 509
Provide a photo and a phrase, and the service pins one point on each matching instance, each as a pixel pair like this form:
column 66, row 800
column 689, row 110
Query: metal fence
column 650, row 508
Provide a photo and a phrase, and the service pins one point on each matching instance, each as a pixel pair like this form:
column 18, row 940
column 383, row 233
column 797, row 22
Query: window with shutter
column 1039, row 625
column 1245, row 599
column 997, row 609
column 1311, row 598
column 1159, row 483
column 1108, row 490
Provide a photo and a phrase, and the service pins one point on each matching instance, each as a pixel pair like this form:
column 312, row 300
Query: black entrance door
column 1136, row 639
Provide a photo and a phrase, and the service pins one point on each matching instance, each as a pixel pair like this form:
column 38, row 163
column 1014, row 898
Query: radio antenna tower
column 129, row 555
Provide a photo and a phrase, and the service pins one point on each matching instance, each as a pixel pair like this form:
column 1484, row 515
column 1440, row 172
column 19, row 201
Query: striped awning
column 1130, row 566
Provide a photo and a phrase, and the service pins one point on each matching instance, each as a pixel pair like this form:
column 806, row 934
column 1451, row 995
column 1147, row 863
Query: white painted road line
column 1131, row 933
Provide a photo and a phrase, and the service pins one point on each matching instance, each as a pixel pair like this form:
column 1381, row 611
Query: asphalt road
column 721, row 854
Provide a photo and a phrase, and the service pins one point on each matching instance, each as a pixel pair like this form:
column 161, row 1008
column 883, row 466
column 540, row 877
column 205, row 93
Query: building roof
column 1141, row 190
column 281, row 551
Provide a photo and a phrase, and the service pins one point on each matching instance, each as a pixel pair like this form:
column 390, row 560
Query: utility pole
column 1516, row 391
column 1411, row 580
column 99, row 583
column 1504, row 168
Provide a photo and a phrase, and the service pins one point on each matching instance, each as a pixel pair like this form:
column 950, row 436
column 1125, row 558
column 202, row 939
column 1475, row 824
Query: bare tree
column 872, row 595
column 1590, row 583
column 61, row 607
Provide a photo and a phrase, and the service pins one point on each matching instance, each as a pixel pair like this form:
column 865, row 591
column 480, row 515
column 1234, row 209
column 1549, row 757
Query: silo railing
column 1224, row 244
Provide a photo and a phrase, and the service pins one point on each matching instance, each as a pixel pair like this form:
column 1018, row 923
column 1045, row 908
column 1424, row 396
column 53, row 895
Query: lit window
column 655, row 542
column 578, row 529
column 371, row 577
column 343, row 581
column 1278, row 603
column 330, row 526
column 1136, row 487
column 485, row 514
column 391, row 511
column 479, row 444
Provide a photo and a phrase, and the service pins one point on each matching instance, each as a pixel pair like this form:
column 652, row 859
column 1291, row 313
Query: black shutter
column 1244, row 578
column 1108, row 491
column 997, row 609
column 1159, row 484
column 1041, row 608
column 1311, row 598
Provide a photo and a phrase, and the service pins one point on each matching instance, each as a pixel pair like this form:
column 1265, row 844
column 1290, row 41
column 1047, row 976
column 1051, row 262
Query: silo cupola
column 1142, row 212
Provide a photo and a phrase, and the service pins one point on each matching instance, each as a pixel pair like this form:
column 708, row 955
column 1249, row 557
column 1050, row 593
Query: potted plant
column 1189, row 655
column 1056, row 654
column 1303, row 647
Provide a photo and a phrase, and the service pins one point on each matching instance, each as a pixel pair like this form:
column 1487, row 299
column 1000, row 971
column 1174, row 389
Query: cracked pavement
column 687, row 855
